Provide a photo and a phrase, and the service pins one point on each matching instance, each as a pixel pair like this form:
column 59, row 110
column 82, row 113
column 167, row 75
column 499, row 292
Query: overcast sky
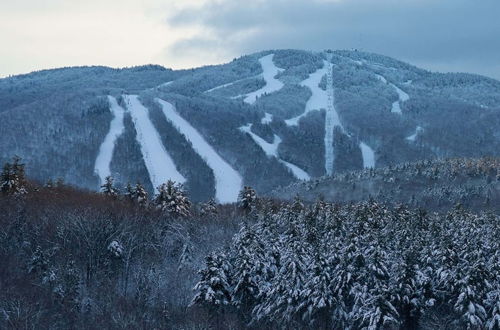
column 441, row 35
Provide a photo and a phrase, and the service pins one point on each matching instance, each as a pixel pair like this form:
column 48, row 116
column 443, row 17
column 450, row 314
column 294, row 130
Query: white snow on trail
column 368, row 155
column 270, row 71
column 160, row 165
column 403, row 96
column 103, row 160
column 228, row 84
column 271, row 150
column 268, row 118
column 318, row 99
column 227, row 181
column 413, row 137
column 332, row 120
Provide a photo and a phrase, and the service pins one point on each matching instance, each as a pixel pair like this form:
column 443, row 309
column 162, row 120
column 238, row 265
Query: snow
column 271, row 150
column 368, row 155
column 318, row 99
column 103, row 160
column 332, row 120
column 227, row 181
column 159, row 164
column 403, row 96
column 270, row 71
column 413, row 137
column 228, row 84
column 268, row 118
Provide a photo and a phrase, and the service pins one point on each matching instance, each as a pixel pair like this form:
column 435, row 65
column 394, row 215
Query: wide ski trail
column 103, row 160
column 368, row 155
column 402, row 95
column 228, row 182
column 159, row 164
column 318, row 99
column 269, row 72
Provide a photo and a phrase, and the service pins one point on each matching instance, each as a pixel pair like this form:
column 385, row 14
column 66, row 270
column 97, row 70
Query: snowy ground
column 270, row 71
column 160, row 165
column 413, row 137
column 318, row 99
column 332, row 120
column 403, row 97
column 271, row 150
column 103, row 160
column 227, row 181
column 368, row 155
column 228, row 84
column 267, row 119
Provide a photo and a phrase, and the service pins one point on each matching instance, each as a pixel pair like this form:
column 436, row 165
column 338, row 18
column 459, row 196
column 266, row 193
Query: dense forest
column 123, row 259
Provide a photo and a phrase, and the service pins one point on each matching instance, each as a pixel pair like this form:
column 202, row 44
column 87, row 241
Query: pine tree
column 172, row 199
column 209, row 209
column 213, row 289
column 247, row 199
column 140, row 195
column 108, row 189
column 13, row 179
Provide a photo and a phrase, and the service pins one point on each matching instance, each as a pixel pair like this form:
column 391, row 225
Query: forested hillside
column 83, row 260
column 267, row 116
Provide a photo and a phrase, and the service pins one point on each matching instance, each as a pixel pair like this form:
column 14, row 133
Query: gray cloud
column 444, row 35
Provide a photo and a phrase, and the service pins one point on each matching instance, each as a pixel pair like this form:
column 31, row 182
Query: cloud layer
column 444, row 35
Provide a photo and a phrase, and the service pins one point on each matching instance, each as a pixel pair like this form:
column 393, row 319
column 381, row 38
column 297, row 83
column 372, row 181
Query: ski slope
column 413, row 137
column 368, row 155
column 159, row 164
column 271, row 150
column 227, row 181
column 103, row 160
column 402, row 95
column 332, row 120
column 318, row 99
column 269, row 72
column 228, row 84
column 268, row 118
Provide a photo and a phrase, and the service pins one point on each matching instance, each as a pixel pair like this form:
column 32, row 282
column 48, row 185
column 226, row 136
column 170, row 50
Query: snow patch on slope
column 227, row 181
column 158, row 162
column 268, row 118
column 270, row 71
column 271, row 150
column 318, row 99
column 227, row 84
column 368, row 155
column 413, row 137
column 103, row 160
column 403, row 96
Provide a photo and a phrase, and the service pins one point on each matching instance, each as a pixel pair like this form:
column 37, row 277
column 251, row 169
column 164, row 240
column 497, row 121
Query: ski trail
column 413, row 137
column 318, row 99
column 332, row 120
column 268, row 118
column 227, row 181
column 103, row 160
column 271, row 150
column 368, row 155
column 228, row 84
column 402, row 95
column 159, row 164
column 269, row 72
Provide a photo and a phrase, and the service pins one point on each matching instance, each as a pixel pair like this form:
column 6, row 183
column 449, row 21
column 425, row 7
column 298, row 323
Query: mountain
column 264, row 120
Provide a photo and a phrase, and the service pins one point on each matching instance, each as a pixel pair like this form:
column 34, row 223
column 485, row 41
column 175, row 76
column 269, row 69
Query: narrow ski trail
column 368, row 155
column 228, row 182
column 271, row 150
column 269, row 72
column 103, row 160
column 402, row 95
column 159, row 164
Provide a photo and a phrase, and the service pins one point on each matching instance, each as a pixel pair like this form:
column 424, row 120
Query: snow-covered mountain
column 264, row 120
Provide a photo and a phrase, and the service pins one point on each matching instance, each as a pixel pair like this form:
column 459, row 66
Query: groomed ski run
column 228, row 182
column 271, row 150
column 103, row 160
column 159, row 164
column 269, row 72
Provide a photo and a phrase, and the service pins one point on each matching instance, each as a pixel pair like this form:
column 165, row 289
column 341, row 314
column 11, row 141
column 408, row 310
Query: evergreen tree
column 13, row 179
column 172, row 199
column 247, row 199
column 108, row 189
column 209, row 209
column 213, row 289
